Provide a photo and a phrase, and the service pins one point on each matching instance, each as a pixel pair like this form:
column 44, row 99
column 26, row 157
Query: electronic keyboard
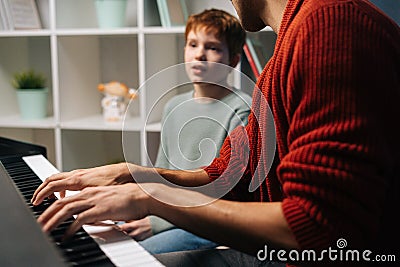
column 23, row 167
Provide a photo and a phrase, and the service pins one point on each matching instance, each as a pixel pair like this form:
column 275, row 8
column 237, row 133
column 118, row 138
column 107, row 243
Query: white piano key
column 40, row 166
column 120, row 248
column 44, row 169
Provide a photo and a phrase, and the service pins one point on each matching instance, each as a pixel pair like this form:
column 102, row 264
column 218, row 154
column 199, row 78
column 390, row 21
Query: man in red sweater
column 332, row 88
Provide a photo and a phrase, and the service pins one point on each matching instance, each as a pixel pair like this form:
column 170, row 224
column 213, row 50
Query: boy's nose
column 200, row 54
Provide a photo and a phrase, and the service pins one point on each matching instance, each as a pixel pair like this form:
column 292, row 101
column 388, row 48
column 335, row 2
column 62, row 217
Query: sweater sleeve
column 232, row 147
column 333, row 174
column 230, row 169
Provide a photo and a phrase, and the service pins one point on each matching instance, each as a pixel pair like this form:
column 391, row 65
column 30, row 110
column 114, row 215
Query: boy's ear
column 235, row 60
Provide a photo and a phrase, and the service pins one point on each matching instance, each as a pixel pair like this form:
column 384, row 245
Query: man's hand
column 94, row 204
column 79, row 179
column 138, row 229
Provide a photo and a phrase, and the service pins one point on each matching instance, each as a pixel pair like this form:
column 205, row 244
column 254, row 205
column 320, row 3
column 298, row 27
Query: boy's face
column 202, row 49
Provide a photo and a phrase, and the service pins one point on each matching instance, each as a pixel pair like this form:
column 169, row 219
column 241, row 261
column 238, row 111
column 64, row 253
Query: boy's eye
column 213, row 48
column 192, row 44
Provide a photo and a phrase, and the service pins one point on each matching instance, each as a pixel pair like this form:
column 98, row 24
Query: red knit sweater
column 332, row 85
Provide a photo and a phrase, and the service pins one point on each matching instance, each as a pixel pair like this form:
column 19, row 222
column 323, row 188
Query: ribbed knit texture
column 333, row 85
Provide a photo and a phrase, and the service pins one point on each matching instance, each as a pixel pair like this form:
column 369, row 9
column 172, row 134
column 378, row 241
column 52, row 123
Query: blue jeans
column 175, row 240
column 213, row 258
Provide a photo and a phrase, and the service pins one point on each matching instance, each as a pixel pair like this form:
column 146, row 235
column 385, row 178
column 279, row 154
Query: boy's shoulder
column 237, row 99
column 178, row 99
column 240, row 97
column 181, row 97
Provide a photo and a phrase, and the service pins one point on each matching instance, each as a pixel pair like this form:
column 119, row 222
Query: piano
column 23, row 167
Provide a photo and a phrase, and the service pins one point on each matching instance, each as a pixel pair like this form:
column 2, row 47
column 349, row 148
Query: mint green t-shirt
column 193, row 131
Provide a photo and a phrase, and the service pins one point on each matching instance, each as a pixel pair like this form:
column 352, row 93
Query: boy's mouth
column 199, row 67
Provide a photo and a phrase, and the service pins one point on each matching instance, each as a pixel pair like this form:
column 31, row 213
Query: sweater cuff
column 308, row 234
column 212, row 172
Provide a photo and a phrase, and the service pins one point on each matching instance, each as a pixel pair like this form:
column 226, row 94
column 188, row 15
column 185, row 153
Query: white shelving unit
column 76, row 56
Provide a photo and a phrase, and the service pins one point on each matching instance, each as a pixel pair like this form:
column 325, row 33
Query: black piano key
column 27, row 183
column 58, row 234
column 28, row 188
column 100, row 260
column 80, row 249
column 76, row 245
column 83, row 254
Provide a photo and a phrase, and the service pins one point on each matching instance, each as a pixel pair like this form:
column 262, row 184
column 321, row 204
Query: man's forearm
column 197, row 177
column 240, row 225
column 188, row 178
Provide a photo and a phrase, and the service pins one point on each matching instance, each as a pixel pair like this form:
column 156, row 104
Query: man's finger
column 52, row 178
column 60, row 211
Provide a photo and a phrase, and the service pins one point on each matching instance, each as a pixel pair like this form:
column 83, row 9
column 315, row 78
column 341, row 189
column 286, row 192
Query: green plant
column 29, row 80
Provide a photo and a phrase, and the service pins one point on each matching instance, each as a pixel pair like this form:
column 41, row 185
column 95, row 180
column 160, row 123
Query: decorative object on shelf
column 114, row 101
column 111, row 13
column 172, row 12
column 32, row 94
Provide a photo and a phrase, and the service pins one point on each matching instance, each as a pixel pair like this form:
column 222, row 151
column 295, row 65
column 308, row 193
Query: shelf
column 15, row 121
column 153, row 127
column 25, row 33
column 163, row 30
column 97, row 122
column 96, row 31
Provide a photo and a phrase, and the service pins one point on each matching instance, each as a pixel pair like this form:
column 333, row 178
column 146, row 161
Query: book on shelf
column 3, row 21
column 256, row 54
column 5, row 16
column 151, row 15
column 251, row 61
column 172, row 12
column 162, row 10
column 19, row 14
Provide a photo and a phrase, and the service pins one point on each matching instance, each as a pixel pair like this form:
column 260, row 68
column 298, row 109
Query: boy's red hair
column 222, row 24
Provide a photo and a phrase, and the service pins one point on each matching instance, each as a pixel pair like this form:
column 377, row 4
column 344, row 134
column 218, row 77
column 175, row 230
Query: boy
column 196, row 123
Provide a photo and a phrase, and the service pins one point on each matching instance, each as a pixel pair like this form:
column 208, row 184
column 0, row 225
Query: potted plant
column 32, row 94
